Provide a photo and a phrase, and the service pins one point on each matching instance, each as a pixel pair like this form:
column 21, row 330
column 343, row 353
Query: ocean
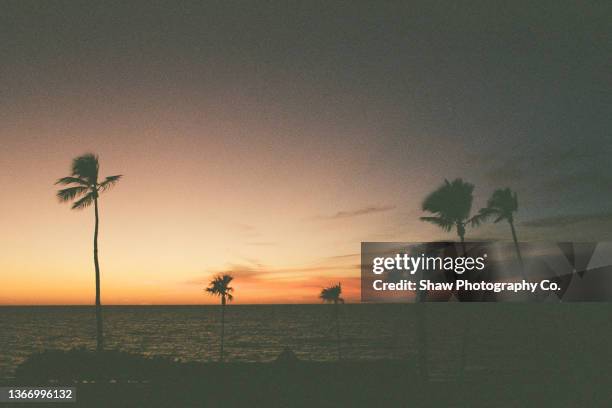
column 503, row 336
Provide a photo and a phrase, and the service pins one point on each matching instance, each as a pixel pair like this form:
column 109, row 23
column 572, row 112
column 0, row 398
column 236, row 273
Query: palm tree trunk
column 338, row 330
column 467, row 317
column 518, row 249
column 461, row 233
column 99, row 327
column 462, row 237
column 222, row 325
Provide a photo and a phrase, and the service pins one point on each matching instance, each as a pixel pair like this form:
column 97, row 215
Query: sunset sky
column 270, row 140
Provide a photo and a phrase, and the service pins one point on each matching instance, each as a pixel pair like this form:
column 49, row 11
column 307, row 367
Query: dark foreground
column 115, row 379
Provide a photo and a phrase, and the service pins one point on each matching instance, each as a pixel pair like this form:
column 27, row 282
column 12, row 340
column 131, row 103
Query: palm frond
column 219, row 286
column 487, row 212
column 505, row 200
column 502, row 204
column 331, row 294
column 475, row 221
column 70, row 193
column 71, row 180
column 452, row 200
column 84, row 202
column 441, row 222
column 86, row 167
column 109, row 182
column 483, row 216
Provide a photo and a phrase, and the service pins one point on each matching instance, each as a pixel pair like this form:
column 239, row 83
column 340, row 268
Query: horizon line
column 167, row 304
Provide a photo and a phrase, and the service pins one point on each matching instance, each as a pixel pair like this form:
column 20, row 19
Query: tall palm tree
column 451, row 204
column 219, row 286
column 85, row 188
column 331, row 294
column 502, row 205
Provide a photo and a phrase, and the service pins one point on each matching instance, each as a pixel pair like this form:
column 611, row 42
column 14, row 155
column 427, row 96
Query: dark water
column 506, row 336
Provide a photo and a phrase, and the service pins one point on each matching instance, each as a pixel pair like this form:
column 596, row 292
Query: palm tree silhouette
column 219, row 286
column 86, row 189
column 451, row 204
column 502, row 205
column 331, row 294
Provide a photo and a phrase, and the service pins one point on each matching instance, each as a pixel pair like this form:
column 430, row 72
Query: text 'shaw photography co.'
column 320, row 203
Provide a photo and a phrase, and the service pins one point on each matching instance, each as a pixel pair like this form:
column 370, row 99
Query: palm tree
column 331, row 294
column 219, row 286
column 85, row 188
column 451, row 204
column 502, row 205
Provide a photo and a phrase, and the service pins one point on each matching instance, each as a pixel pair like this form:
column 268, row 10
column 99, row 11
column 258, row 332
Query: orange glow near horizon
column 252, row 286
column 187, row 209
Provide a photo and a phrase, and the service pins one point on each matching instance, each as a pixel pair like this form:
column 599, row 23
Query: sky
column 269, row 140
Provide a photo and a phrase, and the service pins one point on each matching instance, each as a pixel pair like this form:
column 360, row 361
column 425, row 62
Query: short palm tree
column 331, row 294
column 502, row 205
column 85, row 188
column 451, row 204
column 219, row 286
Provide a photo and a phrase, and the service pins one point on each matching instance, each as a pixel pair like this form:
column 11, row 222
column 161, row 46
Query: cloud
column 356, row 213
column 344, row 256
column 565, row 220
column 262, row 273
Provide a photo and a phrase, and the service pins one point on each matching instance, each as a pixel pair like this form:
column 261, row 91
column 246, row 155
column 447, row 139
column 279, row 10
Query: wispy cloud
column 344, row 256
column 259, row 272
column 356, row 213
